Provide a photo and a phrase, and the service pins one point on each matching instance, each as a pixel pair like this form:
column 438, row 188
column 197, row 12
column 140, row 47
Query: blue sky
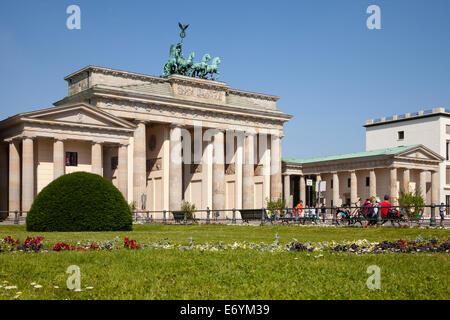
column 331, row 72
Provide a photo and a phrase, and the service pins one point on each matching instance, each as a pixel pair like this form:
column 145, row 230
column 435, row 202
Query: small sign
column 309, row 182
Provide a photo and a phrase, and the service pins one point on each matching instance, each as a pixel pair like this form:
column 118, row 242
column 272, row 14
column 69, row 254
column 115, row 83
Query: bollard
column 16, row 217
column 233, row 221
column 207, row 215
column 164, row 216
column 262, row 216
column 334, row 220
column 148, row 218
column 433, row 217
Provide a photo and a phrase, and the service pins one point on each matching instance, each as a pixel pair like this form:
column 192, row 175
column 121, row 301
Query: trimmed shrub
column 79, row 201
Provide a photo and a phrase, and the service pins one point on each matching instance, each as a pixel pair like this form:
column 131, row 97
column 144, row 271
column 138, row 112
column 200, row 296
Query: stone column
column 107, row 169
column 423, row 185
column 14, row 176
column 122, row 169
column 139, row 163
column 275, row 166
column 248, row 174
column 59, row 163
column 406, row 179
column 393, row 185
column 435, row 197
column 166, row 167
column 302, row 189
column 353, row 187
column 239, row 170
column 287, row 190
column 219, row 174
column 27, row 173
column 175, row 170
column 4, row 154
column 336, row 199
column 265, row 154
column 97, row 158
column 372, row 183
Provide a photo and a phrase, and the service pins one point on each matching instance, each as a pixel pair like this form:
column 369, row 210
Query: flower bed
column 9, row 244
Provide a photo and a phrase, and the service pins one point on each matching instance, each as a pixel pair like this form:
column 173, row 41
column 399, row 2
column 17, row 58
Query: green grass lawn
column 240, row 274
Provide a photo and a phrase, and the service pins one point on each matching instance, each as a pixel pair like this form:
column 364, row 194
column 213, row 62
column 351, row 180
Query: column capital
column 28, row 136
column 94, row 142
column 175, row 126
column 12, row 140
column 59, row 139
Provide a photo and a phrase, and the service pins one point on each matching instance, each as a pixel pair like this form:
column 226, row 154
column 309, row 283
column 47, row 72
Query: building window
column 447, row 175
column 71, row 159
column 349, row 181
column 331, row 184
column 367, row 181
column 447, row 129
column 401, row 135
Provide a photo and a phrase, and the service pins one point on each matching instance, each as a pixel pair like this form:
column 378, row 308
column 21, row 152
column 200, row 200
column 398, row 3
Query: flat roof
column 409, row 116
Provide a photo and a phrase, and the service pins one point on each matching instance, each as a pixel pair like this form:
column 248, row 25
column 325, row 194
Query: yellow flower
column 38, row 286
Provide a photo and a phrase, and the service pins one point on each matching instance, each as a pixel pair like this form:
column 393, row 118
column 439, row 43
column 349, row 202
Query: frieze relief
column 197, row 92
column 174, row 112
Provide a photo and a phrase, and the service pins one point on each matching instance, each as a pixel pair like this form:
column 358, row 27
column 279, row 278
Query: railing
column 330, row 216
column 13, row 217
column 353, row 216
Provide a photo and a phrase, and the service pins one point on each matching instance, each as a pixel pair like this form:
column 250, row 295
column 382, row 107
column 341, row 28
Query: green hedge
column 79, row 201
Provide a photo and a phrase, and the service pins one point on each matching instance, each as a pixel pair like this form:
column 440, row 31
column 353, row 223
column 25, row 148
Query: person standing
column 442, row 210
column 300, row 208
column 323, row 211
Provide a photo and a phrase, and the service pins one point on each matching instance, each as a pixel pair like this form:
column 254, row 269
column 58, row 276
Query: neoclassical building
column 361, row 175
column 161, row 141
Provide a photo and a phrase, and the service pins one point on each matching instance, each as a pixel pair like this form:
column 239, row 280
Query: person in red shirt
column 385, row 207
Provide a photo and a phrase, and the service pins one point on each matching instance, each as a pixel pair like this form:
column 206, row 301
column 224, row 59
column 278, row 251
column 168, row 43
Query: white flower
column 38, row 286
column 77, row 290
column 33, row 283
column 10, row 287
column 56, row 287
column 89, row 288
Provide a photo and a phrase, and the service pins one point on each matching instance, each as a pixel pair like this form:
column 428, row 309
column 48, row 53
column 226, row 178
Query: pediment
column 80, row 114
column 420, row 153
